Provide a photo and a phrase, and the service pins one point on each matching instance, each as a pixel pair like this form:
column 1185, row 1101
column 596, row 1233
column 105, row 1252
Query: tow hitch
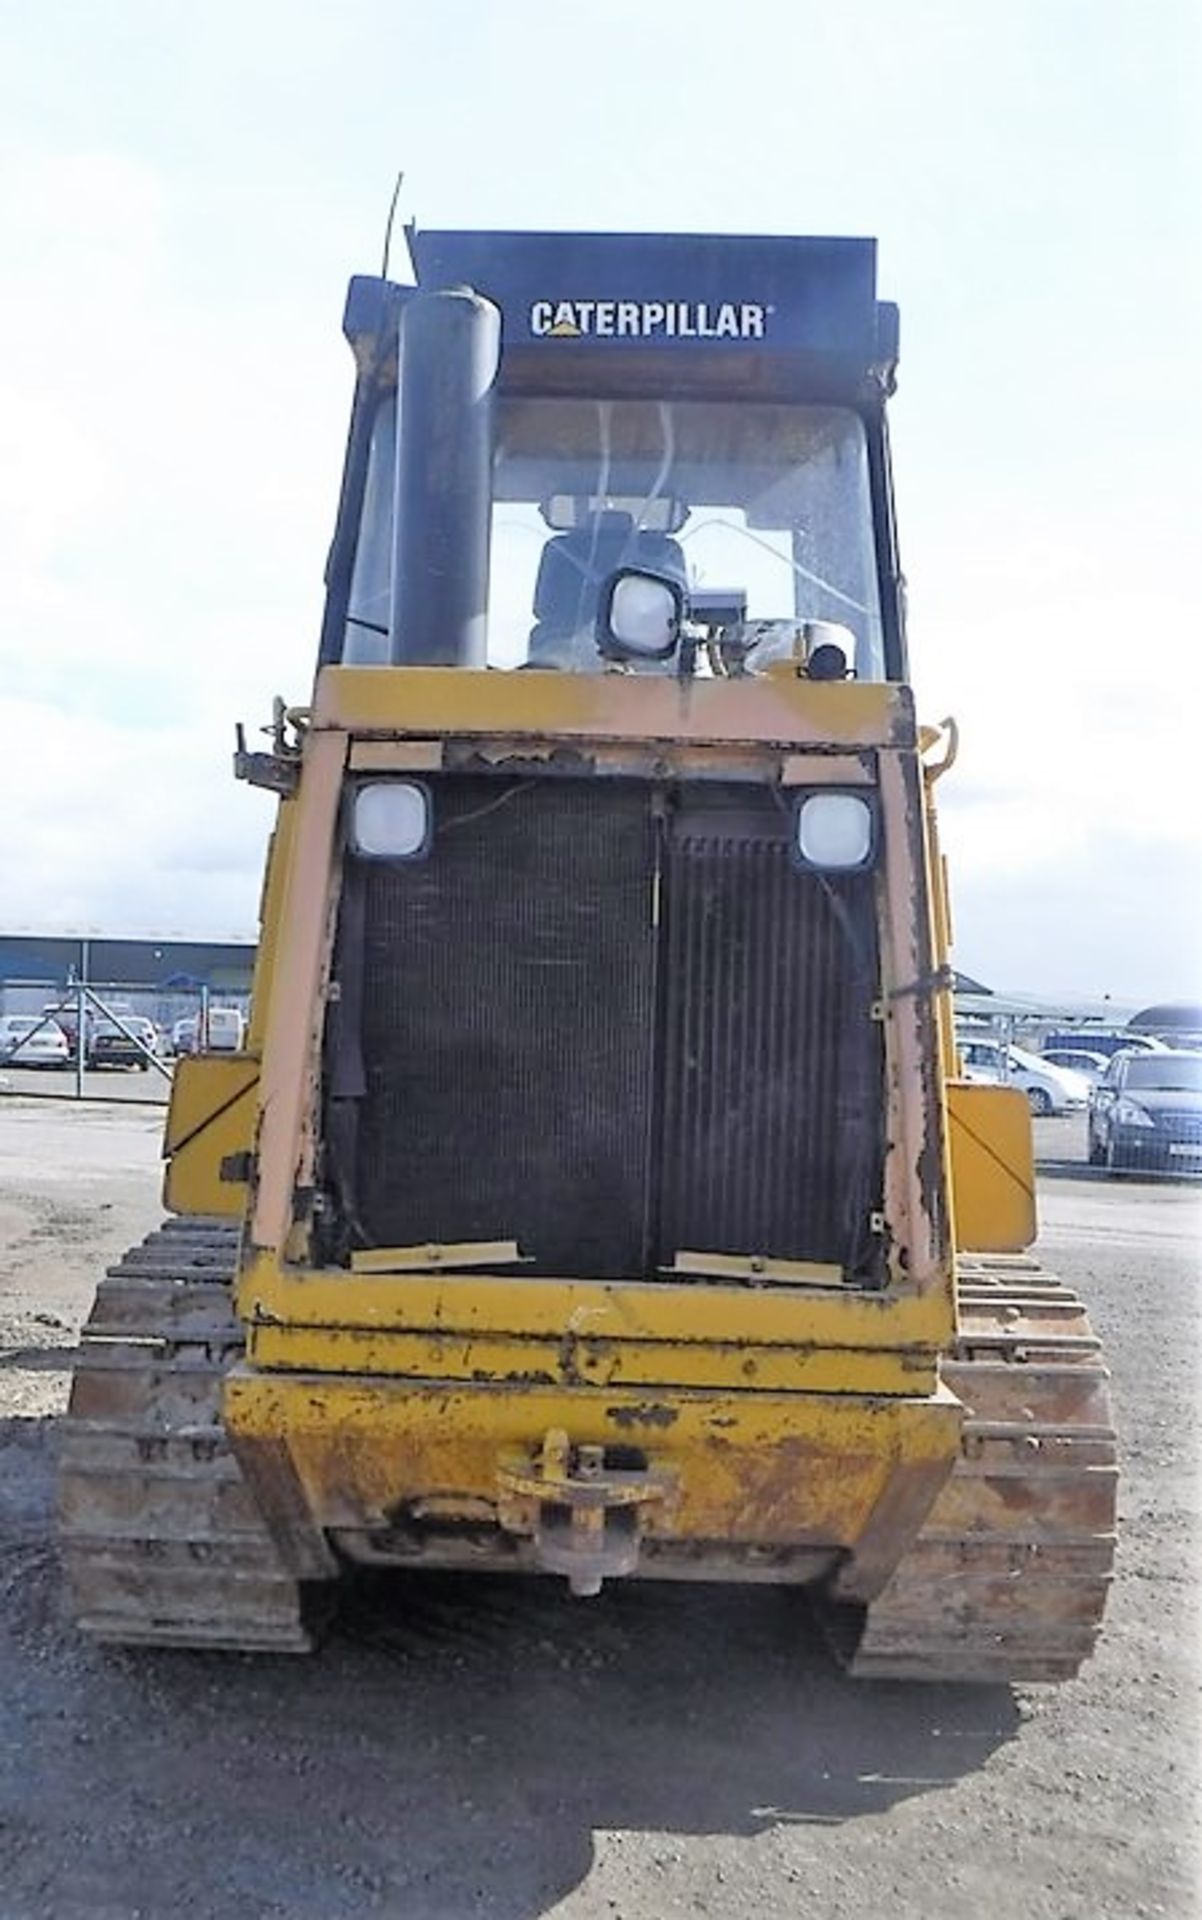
column 586, row 1515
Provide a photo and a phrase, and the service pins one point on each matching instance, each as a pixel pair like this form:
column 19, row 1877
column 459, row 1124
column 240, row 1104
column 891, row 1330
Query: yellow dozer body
column 595, row 1195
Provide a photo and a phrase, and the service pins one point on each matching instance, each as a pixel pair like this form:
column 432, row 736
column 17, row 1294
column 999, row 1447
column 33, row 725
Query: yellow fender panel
column 992, row 1168
column 211, row 1119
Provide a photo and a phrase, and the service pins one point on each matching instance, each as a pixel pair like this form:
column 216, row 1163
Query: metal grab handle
column 935, row 769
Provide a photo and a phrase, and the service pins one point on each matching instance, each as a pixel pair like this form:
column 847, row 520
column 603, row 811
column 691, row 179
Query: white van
column 226, row 1032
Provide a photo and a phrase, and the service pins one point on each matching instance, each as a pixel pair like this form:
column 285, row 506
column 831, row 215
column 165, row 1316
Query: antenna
column 396, row 194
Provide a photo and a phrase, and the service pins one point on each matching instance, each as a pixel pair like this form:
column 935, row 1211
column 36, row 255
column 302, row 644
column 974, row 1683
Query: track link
column 162, row 1542
column 1007, row 1579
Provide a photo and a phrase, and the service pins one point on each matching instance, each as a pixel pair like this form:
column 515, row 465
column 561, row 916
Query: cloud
column 170, row 473
column 114, row 830
column 1126, row 921
column 167, row 478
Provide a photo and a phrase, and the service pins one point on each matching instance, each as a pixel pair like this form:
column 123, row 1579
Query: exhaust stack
column 450, row 346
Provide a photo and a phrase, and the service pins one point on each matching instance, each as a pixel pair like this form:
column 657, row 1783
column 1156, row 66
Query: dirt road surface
column 498, row 1750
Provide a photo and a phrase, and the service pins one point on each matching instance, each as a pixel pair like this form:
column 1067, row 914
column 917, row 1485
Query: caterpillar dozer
column 595, row 1194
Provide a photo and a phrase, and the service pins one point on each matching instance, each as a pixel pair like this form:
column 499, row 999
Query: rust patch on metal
column 827, row 769
column 903, row 725
column 271, row 1474
column 569, row 1372
column 527, row 1378
column 906, row 1499
column 517, row 756
column 396, row 756
column 645, row 1413
column 914, row 1168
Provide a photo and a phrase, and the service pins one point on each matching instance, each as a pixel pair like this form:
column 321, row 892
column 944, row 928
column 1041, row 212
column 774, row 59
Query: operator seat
column 571, row 573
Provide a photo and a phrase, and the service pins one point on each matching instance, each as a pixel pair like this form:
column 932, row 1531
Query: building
column 162, row 979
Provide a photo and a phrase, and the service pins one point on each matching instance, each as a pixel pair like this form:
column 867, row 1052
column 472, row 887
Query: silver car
column 31, row 1040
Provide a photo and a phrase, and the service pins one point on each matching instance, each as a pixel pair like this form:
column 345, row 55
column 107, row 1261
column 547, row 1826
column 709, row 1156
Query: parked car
column 31, row 1040
column 1049, row 1089
column 66, row 1018
column 1146, row 1115
column 1091, row 1065
column 129, row 1044
column 226, row 1030
column 66, row 1013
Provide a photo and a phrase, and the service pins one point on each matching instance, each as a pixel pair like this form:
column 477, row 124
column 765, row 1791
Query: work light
column 392, row 820
column 835, row 831
column 639, row 616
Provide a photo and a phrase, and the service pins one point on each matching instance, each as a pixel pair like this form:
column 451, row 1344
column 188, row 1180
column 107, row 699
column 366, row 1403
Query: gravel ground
column 494, row 1749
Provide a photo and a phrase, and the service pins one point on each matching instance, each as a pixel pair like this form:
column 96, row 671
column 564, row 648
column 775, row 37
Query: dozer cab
column 595, row 1194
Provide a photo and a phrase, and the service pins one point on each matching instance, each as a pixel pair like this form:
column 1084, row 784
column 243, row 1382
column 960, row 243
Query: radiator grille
column 611, row 1024
column 507, row 995
column 772, row 1059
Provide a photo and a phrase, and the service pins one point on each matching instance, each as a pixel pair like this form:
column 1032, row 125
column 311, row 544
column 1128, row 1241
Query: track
column 162, row 1542
column 1008, row 1578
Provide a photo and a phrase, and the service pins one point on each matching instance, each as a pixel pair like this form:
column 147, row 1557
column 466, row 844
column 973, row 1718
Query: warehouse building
column 161, row 979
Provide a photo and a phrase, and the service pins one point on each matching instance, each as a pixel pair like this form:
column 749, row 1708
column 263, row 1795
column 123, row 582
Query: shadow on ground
column 454, row 1749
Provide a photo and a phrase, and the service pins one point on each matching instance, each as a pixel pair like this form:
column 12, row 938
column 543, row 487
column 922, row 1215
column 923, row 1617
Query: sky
column 185, row 190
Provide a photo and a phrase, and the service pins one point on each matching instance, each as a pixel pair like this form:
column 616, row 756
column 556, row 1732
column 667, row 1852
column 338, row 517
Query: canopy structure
column 1178, row 1018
